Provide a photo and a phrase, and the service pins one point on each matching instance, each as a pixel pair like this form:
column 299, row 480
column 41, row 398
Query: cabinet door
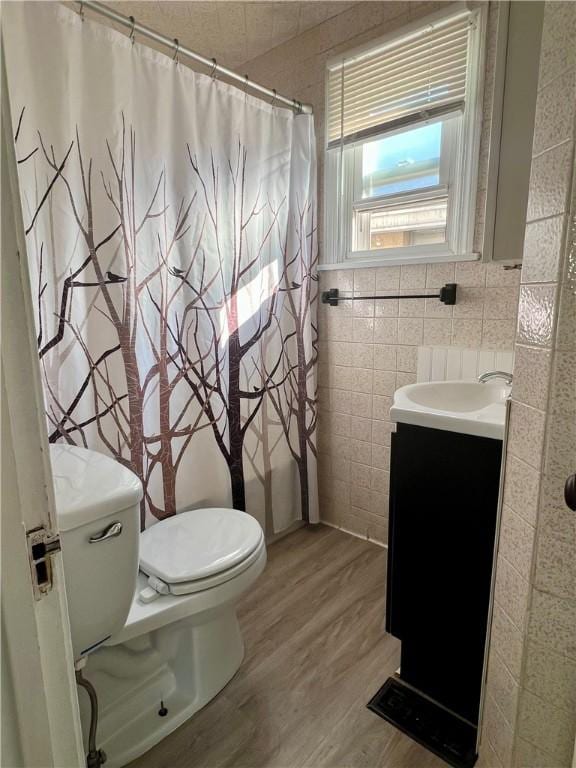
column 445, row 492
column 395, row 559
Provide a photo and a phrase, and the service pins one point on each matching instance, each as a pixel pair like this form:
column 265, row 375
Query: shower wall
column 530, row 714
column 368, row 349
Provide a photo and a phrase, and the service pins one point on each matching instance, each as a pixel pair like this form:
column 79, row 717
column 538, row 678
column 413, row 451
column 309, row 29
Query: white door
column 40, row 719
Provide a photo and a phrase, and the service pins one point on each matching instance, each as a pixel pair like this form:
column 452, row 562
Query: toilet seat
column 197, row 550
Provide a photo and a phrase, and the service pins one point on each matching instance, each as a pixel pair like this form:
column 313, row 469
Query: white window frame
column 342, row 195
column 356, row 203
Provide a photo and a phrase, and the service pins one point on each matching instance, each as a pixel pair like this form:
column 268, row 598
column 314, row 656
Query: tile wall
column 530, row 714
column 368, row 349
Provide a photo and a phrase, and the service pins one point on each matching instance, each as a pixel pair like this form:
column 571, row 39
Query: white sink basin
column 457, row 406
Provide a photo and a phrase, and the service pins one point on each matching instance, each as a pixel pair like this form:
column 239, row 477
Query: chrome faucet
column 496, row 375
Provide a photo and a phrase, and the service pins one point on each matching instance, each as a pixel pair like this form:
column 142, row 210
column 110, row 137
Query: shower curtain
column 171, row 234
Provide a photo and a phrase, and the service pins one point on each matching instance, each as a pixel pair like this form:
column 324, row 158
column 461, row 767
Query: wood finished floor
column 316, row 651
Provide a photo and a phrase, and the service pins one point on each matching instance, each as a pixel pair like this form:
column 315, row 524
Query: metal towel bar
column 447, row 295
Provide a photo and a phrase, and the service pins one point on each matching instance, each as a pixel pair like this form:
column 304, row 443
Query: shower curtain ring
column 132, row 33
column 213, row 73
column 176, row 49
column 274, row 97
column 81, row 10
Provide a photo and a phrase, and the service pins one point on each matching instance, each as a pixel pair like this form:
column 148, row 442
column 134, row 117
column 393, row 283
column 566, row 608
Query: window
column 403, row 122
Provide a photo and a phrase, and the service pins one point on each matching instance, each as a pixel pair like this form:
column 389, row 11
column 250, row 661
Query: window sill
column 379, row 261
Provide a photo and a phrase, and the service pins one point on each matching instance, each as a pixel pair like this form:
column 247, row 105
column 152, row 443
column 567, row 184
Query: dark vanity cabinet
column 443, row 507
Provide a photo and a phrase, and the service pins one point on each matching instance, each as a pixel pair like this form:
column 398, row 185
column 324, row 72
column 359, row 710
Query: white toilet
column 162, row 642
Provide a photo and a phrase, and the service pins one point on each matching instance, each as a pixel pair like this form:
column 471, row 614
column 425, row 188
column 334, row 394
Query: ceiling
column 231, row 32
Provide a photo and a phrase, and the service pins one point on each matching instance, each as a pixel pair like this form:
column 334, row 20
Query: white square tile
column 511, row 592
column 410, row 331
column 387, row 278
column 361, row 355
column 384, row 382
column 555, row 110
column 548, row 726
column 403, row 379
column 406, row 359
column 361, row 429
column 381, row 407
column 471, row 273
column 361, row 404
column 549, row 182
column 364, row 280
column 413, row 276
column 437, row 331
column 380, row 456
column 385, row 330
column 552, row 622
column 466, row 332
column 363, row 329
column 536, row 315
column 543, row 244
column 551, row 676
column 526, row 434
column 532, row 376
column 516, row 542
column 385, row 357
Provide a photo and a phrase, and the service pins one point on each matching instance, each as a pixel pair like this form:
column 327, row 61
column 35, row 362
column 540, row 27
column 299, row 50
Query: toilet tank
column 97, row 506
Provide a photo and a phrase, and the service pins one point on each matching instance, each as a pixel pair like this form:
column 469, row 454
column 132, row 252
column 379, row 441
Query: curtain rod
column 180, row 50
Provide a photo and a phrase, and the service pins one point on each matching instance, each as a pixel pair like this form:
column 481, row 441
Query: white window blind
column 423, row 74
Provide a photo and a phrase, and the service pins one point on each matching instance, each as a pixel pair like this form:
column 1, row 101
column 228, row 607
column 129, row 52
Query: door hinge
column 42, row 544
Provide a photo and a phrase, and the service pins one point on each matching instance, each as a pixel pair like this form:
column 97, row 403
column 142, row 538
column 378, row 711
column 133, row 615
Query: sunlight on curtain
column 158, row 204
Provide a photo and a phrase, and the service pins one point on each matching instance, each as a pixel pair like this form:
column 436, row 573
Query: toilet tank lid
column 89, row 485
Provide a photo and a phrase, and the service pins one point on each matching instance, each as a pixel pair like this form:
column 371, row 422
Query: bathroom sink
column 457, row 406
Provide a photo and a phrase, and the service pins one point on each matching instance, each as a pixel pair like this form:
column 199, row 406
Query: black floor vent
column 446, row 735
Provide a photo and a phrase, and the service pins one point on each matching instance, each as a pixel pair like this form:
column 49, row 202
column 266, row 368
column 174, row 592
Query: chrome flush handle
column 114, row 529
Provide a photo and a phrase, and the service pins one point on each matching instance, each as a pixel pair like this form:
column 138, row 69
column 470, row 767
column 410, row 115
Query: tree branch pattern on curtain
column 174, row 273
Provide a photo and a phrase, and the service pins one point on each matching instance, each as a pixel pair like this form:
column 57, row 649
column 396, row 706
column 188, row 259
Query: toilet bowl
column 153, row 615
